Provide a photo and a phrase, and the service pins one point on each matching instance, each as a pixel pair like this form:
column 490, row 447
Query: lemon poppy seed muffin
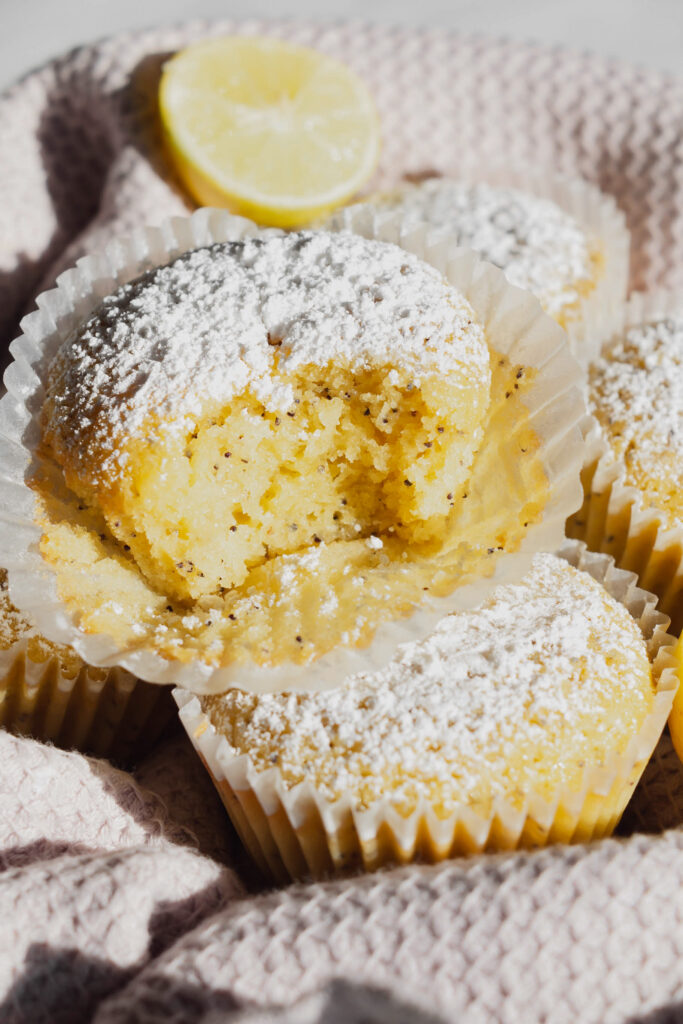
column 540, row 247
column 261, row 451
column 220, row 409
column 49, row 693
column 526, row 721
column 515, row 697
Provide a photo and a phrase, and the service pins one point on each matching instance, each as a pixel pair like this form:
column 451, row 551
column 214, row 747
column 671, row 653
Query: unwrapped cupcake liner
column 296, row 832
column 107, row 712
column 616, row 518
column 516, row 327
column 598, row 314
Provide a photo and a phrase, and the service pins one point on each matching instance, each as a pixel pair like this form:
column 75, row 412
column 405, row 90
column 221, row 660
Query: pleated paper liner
column 297, row 832
column 615, row 519
column 106, row 712
column 516, row 327
column 599, row 313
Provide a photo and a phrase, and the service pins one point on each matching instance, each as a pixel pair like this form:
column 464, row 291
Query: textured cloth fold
column 120, row 896
column 559, row 935
column 96, row 878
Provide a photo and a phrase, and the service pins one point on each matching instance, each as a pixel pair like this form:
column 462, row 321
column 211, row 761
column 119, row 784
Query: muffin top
column 517, row 696
column 540, row 247
column 636, row 394
column 245, row 315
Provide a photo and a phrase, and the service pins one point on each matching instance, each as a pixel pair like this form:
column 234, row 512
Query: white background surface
column 645, row 32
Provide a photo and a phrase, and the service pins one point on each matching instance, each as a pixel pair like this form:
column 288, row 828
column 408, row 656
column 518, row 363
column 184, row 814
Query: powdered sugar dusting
column 637, row 393
column 541, row 656
column 243, row 314
column 540, row 247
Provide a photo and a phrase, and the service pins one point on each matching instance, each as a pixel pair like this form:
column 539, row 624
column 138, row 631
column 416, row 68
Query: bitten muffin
column 504, row 707
column 264, row 448
column 47, row 692
column 351, row 369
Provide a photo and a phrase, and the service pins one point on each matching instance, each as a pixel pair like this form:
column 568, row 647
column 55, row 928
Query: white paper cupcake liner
column 107, row 712
column 599, row 314
column 516, row 327
column 296, row 832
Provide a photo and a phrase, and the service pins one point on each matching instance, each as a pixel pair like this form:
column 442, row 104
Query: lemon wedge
column 276, row 132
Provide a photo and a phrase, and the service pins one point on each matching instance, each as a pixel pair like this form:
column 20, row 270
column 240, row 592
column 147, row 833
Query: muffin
column 561, row 240
column 357, row 376
column 523, row 722
column 270, row 457
column 47, row 692
column 633, row 477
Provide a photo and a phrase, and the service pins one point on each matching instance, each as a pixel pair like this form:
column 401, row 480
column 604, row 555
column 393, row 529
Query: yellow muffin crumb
column 354, row 454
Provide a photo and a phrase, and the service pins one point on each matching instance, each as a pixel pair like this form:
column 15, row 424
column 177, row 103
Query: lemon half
column 276, row 132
